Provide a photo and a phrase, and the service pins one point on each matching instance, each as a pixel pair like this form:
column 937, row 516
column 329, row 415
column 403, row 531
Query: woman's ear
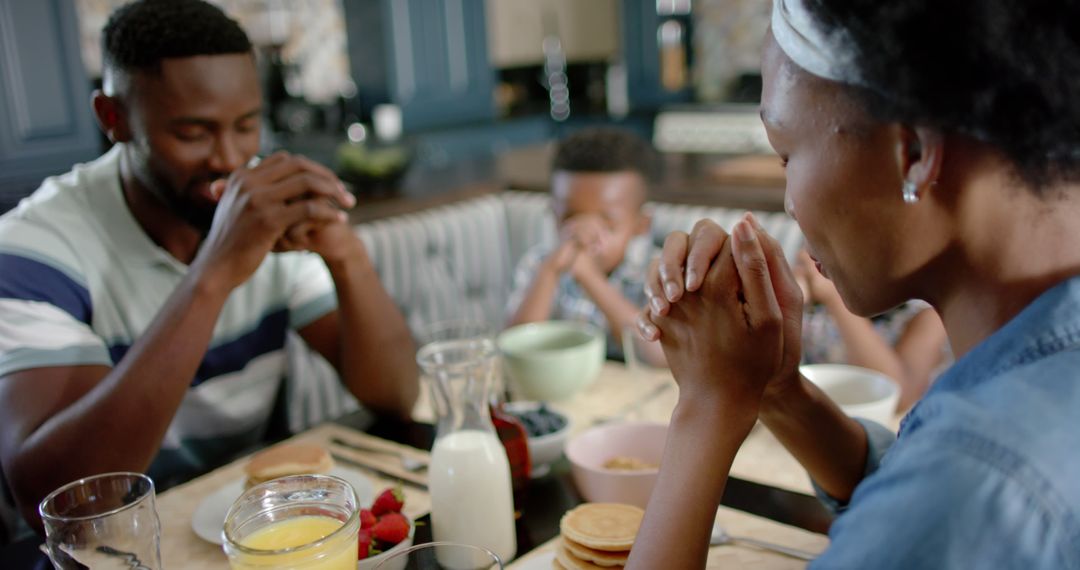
column 111, row 117
column 921, row 151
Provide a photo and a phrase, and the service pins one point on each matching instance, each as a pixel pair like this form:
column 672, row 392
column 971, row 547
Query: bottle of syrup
column 514, row 439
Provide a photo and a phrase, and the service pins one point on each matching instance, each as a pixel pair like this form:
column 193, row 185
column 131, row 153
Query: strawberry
column 389, row 501
column 392, row 528
column 365, row 544
column 367, row 518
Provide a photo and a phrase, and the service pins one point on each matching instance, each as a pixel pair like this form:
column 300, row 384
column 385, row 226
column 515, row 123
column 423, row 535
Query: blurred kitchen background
column 418, row 102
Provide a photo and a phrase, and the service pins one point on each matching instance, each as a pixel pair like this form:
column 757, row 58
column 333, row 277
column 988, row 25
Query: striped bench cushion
column 457, row 262
column 530, row 222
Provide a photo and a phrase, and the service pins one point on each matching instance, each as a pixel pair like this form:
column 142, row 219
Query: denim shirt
column 985, row 472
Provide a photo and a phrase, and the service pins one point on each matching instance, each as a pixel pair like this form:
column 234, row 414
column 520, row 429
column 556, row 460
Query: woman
column 933, row 152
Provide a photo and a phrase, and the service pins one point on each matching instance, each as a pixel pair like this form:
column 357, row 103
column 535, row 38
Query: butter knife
column 408, row 462
column 377, row 471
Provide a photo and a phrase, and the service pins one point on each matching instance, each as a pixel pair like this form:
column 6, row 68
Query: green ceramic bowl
column 551, row 360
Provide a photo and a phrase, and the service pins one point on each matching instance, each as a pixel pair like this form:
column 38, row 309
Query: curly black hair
column 141, row 34
column 1006, row 72
column 605, row 149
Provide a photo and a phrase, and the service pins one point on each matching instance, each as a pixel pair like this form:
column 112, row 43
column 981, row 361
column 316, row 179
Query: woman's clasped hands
column 728, row 312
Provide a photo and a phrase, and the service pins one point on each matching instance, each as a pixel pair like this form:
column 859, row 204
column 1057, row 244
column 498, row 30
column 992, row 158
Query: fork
column 720, row 537
column 408, row 462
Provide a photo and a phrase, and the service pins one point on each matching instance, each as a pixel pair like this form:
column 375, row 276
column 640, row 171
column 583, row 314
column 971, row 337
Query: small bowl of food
column 372, row 170
column 547, row 430
column 374, row 560
column 617, row 462
column 552, row 360
column 860, row 392
column 384, row 531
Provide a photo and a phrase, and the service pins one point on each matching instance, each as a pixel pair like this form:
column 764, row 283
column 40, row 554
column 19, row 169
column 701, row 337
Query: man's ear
column 111, row 117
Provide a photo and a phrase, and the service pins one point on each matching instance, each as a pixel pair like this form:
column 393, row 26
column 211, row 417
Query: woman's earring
column 911, row 192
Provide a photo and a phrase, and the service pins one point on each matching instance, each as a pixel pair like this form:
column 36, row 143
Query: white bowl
column 544, row 449
column 860, row 392
column 371, row 562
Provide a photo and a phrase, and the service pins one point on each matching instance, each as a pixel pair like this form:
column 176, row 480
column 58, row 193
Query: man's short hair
column 139, row 35
column 605, row 149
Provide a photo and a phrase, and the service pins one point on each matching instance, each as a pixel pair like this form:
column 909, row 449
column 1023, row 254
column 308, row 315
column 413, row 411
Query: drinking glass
column 455, row 329
column 437, row 555
column 643, row 358
column 307, row 522
column 650, row 375
column 106, row 521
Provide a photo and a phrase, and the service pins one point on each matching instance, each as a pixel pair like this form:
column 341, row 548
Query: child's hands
column 585, row 264
column 562, row 259
column 588, row 231
column 582, row 239
column 816, row 288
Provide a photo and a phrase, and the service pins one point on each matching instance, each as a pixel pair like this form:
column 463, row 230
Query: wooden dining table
column 768, row 497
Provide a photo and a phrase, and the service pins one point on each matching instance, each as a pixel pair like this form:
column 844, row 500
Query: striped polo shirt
column 80, row 281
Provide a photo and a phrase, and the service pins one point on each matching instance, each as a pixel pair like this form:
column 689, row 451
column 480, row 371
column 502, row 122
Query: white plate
column 541, row 561
column 209, row 518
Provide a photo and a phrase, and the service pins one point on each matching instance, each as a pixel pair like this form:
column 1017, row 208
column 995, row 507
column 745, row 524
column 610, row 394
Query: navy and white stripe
column 80, row 282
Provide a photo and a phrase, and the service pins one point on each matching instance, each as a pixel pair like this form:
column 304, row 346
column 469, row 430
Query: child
column 596, row 270
column 907, row 344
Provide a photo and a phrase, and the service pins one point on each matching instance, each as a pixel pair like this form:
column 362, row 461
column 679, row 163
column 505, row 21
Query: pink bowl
column 589, row 451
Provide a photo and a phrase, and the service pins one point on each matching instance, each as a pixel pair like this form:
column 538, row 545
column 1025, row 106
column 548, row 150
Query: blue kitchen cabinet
column 439, row 148
column 46, row 123
column 427, row 57
column 641, row 24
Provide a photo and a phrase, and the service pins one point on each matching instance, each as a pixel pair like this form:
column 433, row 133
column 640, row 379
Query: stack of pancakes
column 287, row 459
column 597, row 536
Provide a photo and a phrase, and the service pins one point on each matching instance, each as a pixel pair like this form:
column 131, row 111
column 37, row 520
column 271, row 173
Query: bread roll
column 287, row 459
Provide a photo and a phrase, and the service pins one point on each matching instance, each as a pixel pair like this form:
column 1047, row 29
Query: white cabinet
column 588, row 30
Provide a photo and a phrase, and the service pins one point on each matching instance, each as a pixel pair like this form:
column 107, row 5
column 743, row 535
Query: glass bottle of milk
column 469, row 475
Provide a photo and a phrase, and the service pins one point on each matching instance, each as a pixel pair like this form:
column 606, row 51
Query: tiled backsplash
column 311, row 33
column 728, row 38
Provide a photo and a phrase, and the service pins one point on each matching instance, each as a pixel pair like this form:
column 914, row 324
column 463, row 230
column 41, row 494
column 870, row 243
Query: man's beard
column 197, row 214
column 182, row 202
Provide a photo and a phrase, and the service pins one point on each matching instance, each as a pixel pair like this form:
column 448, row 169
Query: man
column 145, row 297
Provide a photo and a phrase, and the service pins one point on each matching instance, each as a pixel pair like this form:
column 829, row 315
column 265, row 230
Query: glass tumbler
column 438, row 555
column 106, row 521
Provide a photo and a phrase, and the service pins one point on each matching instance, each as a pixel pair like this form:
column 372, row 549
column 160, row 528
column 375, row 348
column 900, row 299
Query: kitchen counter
column 683, row 178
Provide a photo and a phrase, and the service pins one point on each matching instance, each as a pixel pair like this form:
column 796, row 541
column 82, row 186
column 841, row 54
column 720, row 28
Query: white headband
column 827, row 55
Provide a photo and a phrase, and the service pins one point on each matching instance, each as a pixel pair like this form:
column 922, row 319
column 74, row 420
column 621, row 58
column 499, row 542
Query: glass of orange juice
column 303, row 522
